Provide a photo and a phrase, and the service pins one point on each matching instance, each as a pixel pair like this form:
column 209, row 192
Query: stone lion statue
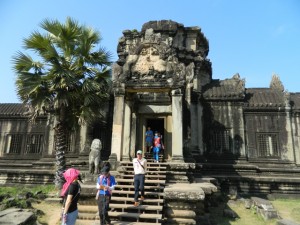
column 94, row 157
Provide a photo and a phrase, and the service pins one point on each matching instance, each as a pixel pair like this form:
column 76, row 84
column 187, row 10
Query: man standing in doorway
column 149, row 139
column 140, row 169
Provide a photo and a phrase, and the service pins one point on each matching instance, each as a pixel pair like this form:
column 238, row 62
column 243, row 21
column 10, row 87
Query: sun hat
column 139, row 152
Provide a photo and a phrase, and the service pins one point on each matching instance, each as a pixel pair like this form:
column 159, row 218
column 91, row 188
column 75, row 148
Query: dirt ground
column 51, row 212
column 287, row 208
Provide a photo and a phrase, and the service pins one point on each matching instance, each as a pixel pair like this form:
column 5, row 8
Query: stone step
column 147, row 176
column 136, row 215
column 131, row 193
column 119, row 215
column 90, row 190
column 127, row 200
column 44, row 165
column 15, row 165
column 97, row 222
column 156, row 184
column 116, row 199
column 160, row 164
column 140, row 207
column 88, row 208
column 161, row 173
column 130, row 223
column 30, row 171
column 149, row 168
column 184, row 221
column 122, row 186
column 162, row 182
column 94, row 209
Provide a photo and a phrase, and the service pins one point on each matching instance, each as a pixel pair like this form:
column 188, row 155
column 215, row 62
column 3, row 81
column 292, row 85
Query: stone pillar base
column 177, row 158
column 113, row 161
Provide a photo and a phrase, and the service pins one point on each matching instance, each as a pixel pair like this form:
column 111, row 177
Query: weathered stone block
column 286, row 222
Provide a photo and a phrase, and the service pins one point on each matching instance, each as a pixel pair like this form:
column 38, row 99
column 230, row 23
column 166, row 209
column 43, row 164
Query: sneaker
column 142, row 198
column 136, row 204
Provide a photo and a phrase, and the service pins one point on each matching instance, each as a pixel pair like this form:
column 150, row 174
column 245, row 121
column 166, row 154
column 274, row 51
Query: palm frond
column 72, row 72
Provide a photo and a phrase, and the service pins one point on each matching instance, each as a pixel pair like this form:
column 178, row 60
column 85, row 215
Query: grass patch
column 15, row 190
column 244, row 216
column 286, row 208
column 23, row 197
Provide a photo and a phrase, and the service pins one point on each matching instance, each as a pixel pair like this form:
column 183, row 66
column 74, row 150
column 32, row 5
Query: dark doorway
column 156, row 125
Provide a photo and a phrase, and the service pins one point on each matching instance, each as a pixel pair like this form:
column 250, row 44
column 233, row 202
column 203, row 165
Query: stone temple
column 246, row 138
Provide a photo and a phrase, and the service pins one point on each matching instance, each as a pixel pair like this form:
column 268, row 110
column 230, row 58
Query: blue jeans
column 139, row 183
column 71, row 218
column 103, row 206
column 156, row 153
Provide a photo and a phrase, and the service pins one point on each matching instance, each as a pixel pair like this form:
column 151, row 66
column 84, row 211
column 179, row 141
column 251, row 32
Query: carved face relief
column 148, row 61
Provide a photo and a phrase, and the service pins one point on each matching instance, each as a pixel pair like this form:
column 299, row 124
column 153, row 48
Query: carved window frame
column 220, row 141
column 267, row 144
column 13, row 143
column 34, row 143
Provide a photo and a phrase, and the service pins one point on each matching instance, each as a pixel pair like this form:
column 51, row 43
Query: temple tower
column 157, row 80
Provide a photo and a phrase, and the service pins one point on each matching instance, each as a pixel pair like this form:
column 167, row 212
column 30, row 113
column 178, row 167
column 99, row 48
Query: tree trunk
column 60, row 149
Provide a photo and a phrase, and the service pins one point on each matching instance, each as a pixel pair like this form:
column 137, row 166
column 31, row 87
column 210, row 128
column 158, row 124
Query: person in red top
column 157, row 146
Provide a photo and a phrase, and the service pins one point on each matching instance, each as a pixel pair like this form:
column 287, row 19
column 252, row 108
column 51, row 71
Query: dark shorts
column 148, row 143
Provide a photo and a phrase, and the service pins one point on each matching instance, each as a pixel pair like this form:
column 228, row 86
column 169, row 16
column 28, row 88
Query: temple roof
column 12, row 109
column 295, row 101
column 227, row 89
column 265, row 97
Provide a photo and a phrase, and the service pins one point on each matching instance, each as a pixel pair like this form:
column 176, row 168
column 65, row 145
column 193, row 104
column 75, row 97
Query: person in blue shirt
column 149, row 139
column 105, row 184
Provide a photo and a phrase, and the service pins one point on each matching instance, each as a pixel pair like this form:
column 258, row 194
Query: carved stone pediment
column 164, row 52
column 148, row 64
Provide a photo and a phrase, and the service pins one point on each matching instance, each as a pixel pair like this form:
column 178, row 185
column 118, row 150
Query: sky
column 255, row 38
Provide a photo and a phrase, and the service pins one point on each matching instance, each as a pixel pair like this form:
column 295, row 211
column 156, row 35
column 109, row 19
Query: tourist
column 157, row 147
column 70, row 192
column 140, row 169
column 105, row 184
column 149, row 139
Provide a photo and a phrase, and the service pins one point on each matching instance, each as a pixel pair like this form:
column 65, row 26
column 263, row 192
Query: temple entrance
column 156, row 125
column 159, row 124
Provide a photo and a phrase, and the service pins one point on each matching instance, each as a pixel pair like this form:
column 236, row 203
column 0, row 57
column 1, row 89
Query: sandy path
column 52, row 212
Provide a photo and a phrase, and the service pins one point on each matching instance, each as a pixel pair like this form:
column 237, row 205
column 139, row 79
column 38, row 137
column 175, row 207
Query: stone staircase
column 122, row 210
column 29, row 172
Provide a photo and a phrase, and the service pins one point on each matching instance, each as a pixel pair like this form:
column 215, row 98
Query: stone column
column 296, row 136
column 200, row 128
column 85, row 140
column 242, row 132
column 133, row 135
column 177, row 145
column 126, row 133
column 289, row 147
column 117, row 130
column 194, row 127
column 50, row 135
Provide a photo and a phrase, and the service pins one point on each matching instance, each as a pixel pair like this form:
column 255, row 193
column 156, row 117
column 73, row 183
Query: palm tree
column 69, row 79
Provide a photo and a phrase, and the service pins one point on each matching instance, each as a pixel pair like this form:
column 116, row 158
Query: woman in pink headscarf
column 70, row 192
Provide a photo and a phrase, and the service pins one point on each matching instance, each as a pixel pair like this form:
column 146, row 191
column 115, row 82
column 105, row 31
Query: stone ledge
column 188, row 192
